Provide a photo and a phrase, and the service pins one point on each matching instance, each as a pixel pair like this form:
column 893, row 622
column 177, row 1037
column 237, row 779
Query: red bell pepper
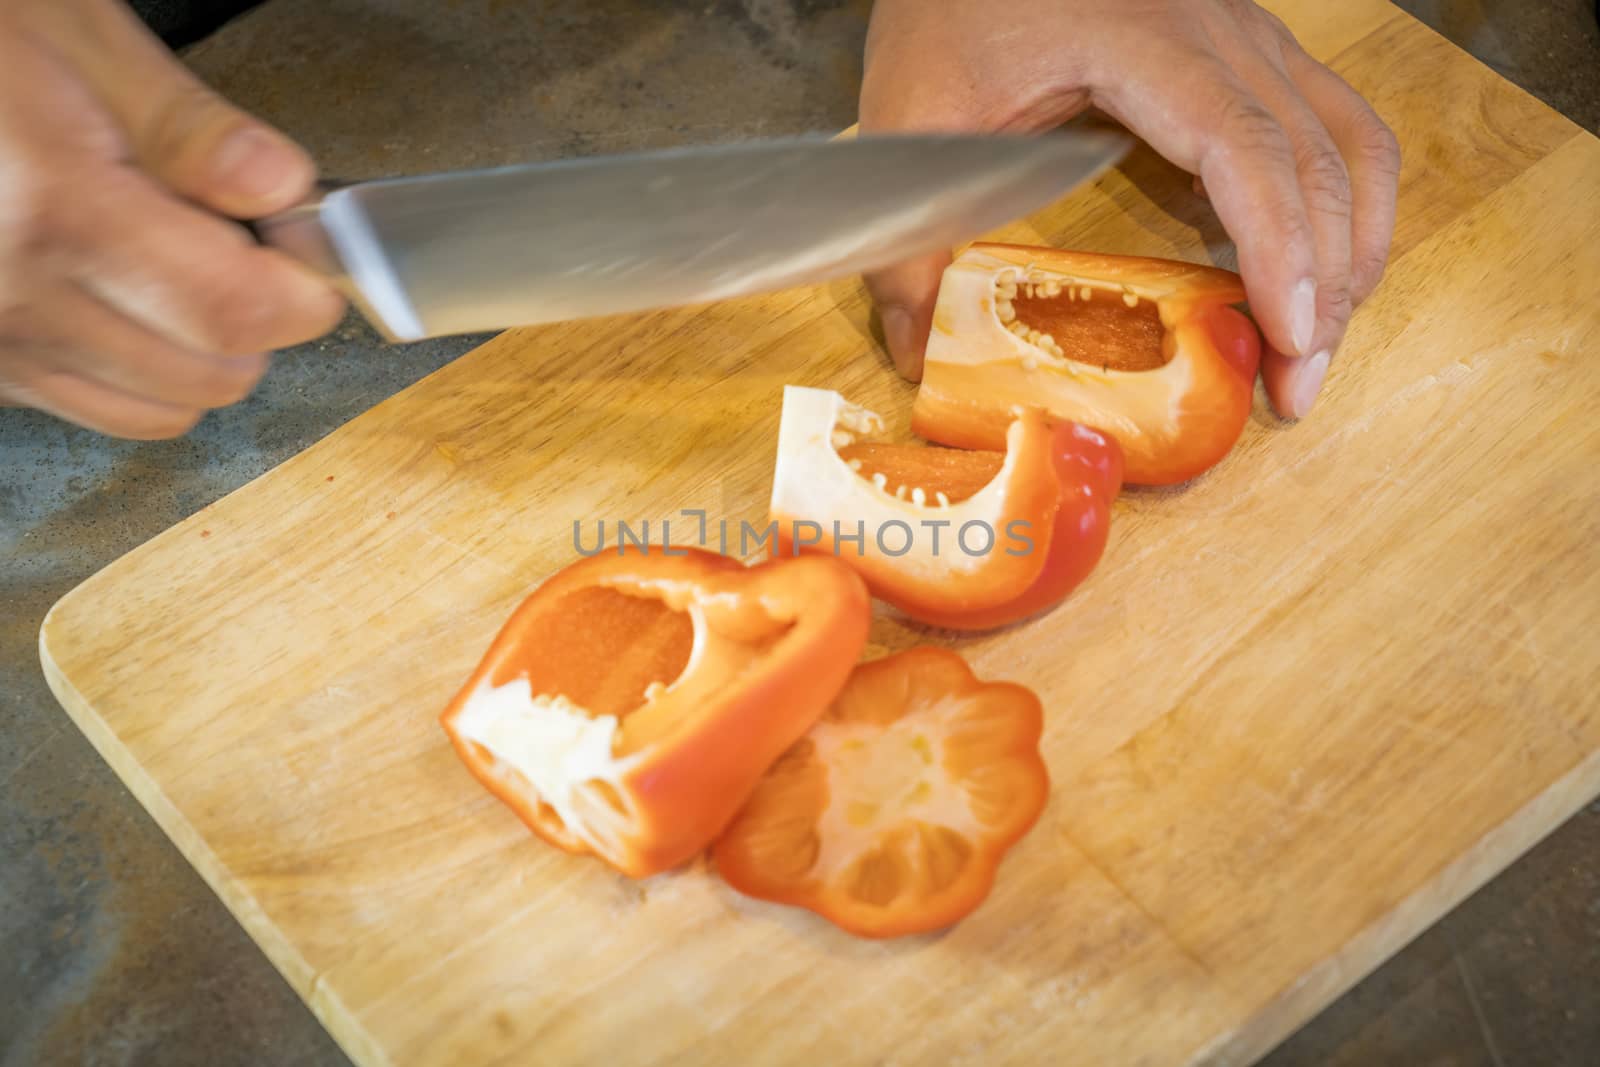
column 962, row 539
column 1147, row 350
column 893, row 814
column 631, row 703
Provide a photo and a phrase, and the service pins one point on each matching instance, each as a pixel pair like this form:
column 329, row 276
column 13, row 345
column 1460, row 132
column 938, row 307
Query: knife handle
column 299, row 233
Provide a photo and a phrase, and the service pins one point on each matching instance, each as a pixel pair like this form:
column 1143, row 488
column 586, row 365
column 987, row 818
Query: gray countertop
column 112, row 950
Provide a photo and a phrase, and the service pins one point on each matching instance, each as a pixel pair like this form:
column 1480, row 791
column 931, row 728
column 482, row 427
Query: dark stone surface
column 112, row 951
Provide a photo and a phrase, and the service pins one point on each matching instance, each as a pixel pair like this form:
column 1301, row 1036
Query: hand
column 1298, row 167
column 129, row 303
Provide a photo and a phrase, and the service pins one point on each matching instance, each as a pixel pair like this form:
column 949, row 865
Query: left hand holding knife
column 130, row 302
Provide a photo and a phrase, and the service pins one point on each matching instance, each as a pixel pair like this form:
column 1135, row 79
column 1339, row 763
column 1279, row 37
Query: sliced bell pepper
column 892, row 815
column 1148, row 350
column 962, row 539
column 631, row 703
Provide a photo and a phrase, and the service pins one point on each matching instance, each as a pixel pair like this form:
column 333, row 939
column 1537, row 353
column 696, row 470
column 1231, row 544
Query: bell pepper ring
column 633, row 700
column 966, row 540
column 1150, row 351
column 892, row 815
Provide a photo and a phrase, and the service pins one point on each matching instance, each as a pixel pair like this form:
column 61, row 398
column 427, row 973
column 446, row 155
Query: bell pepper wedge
column 1150, row 351
column 633, row 700
column 891, row 817
column 966, row 540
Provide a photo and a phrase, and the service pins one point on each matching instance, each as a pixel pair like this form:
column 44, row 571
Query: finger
column 101, row 344
column 193, row 279
column 1324, row 188
column 91, row 404
column 1213, row 126
column 915, row 80
column 1371, row 154
column 178, row 129
column 905, row 296
column 1293, row 382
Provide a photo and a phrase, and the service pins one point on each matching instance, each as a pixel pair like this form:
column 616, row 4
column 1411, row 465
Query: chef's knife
column 515, row 246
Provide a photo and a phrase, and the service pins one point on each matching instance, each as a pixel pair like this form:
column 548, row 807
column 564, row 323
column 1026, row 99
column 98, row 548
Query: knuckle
column 1336, row 298
column 1335, row 303
column 1278, row 27
column 1323, row 174
column 1286, row 222
column 1366, row 272
column 188, row 112
column 1380, row 147
column 1271, row 37
column 1247, row 127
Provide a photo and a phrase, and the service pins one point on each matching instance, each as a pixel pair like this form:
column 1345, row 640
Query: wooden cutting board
column 1305, row 705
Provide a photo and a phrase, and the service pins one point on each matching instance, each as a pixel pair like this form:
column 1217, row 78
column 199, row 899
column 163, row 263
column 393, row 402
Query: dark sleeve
column 181, row 22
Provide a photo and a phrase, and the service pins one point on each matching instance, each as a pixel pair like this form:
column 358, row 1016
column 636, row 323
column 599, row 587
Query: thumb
column 905, row 295
column 177, row 129
column 906, row 292
column 211, row 152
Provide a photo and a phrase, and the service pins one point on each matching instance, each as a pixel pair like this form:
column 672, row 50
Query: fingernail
column 253, row 163
column 1308, row 382
column 900, row 334
column 1303, row 315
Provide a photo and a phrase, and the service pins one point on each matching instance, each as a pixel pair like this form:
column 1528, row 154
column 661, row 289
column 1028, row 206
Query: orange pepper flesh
column 1148, row 350
column 892, row 815
column 1102, row 331
column 1043, row 511
column 709, row 669
column 953, row 471
column 641, row 640
column 1089, row 470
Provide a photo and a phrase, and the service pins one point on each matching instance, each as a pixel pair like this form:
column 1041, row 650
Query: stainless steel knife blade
column 521, row 245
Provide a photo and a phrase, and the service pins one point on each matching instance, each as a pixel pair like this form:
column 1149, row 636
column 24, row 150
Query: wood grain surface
column 1305, row 705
